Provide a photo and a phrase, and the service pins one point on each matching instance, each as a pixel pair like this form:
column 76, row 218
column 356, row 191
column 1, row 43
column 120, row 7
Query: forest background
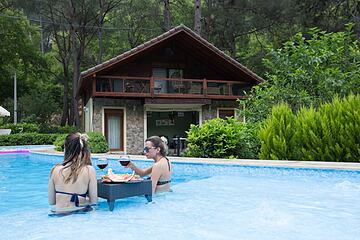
column 47, row 43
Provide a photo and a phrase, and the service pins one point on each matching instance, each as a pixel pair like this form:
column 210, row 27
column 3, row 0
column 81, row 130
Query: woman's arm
column 51, row 189
column 93, row 195
column 139, row 171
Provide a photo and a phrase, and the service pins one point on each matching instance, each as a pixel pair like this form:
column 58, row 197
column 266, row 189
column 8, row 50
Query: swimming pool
column 208, row 202
column 21, row 148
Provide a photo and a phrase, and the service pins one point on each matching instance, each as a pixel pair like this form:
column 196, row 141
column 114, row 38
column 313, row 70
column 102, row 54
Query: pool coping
column 241, row 162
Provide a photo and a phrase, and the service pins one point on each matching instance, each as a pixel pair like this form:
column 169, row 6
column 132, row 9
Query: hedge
column 329, row 133
column 97, row 142
column 27, row 139
column 21, row 127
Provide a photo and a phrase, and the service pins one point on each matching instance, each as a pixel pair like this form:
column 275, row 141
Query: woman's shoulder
column 57, row 167
column 90, row 168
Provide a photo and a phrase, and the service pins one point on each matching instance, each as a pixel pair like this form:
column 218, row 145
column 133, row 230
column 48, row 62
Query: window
column 166, row 86
column 224, row 113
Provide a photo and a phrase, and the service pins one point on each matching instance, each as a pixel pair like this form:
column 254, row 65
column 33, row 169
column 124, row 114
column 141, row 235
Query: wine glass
column 124, row 160
column 102, row 163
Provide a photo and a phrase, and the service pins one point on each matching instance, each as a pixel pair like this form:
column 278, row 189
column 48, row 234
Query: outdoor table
column 113, row 191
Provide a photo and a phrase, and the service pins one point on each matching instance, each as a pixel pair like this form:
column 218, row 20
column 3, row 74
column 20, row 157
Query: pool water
column 207, row 202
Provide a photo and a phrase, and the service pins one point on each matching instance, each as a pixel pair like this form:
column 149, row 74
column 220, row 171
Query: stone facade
column 134, row 112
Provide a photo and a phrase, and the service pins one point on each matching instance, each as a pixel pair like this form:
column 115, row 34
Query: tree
column 82, row 19
column 197, row 16
column 19, row 52
column 307, row 72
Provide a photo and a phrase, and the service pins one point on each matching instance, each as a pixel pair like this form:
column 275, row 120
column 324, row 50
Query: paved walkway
column 242, row 162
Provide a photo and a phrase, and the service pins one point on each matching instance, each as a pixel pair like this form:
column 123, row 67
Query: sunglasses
column 147, row 149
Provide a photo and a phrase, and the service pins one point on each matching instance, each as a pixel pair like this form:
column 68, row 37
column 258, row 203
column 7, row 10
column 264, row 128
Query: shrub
column 27, row 139
column 330, row 133
column 59, row 141
column 97, row 142
column 47, row 128
column 220, row 138
column 277, row 135
column 22, row 127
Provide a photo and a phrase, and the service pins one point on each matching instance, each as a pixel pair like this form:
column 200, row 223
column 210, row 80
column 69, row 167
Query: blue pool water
column 208, row 202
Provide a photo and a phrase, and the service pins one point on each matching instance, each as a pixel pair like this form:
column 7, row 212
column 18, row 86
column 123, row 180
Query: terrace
column 121, row 86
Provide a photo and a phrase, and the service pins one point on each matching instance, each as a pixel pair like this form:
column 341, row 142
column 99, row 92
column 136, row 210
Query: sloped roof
column 169, row 34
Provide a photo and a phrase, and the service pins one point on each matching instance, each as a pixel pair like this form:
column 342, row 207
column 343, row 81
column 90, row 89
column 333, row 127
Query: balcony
column 168, row 87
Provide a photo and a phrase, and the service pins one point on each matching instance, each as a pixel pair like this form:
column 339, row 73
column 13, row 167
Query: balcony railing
column 167, row 87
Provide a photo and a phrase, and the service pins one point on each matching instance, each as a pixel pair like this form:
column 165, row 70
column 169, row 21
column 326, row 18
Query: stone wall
column 134, row 112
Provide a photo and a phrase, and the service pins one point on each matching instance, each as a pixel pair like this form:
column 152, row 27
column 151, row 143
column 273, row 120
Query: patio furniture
column 113, row 191
column 5, row 131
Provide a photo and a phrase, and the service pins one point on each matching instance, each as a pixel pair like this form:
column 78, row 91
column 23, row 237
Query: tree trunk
column 100, row 31
column 65, row 112
column 167, row 19
column 197, row 17
column 356, row 18
column 75, row 79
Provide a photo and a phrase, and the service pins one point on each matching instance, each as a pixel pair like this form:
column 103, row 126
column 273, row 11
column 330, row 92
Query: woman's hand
column 130, row 165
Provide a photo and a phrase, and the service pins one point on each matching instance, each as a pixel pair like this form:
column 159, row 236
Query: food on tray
column 124, row 177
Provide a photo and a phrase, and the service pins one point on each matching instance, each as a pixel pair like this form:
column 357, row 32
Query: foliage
column 27, row 139
column 330, row 133
column 21, row 128
column 307, row 72
column 219, row 138
column 277, row 135
column 48, row 128
column 97, row 142
column 59, row 141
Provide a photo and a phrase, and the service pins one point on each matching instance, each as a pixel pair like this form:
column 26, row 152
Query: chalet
column 160, row 88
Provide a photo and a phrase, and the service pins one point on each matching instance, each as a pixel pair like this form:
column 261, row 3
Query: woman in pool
column 72, row 184
column 160, row 171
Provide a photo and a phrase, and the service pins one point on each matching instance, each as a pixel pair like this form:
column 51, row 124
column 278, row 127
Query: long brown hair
column 76, row 155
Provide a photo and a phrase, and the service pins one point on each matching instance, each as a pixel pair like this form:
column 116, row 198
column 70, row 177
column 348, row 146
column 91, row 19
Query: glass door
column 114, row 129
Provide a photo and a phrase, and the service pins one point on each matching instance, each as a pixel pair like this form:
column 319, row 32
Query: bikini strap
column 74, row 197
column 168, row 161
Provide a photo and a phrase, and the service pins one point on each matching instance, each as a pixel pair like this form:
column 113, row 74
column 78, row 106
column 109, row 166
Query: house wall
column 210, row 111
column 172, row 55
column 134, row 121
column 134, row 118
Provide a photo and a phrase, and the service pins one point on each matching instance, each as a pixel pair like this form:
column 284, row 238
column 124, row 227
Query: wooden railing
column 167, row 87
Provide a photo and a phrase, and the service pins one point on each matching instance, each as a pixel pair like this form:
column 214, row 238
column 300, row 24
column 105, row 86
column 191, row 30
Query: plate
column 119, row 178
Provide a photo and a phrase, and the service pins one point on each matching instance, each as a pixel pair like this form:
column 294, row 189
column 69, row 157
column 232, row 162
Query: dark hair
column 76, row 155
column 158, row 143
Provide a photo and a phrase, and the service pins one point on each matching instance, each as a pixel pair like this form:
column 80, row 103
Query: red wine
column 102, row 165
column 124, row 163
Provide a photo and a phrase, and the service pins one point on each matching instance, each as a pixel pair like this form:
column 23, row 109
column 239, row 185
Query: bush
column 27, row 139
column 220, row 138
column 97, row 142
column 22, row 127
column 59, row 141
column 330, row 133
column 277, row 135
column 47, row 128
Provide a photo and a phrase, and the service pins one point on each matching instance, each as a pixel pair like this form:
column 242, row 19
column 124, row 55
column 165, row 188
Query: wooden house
column 160, row 88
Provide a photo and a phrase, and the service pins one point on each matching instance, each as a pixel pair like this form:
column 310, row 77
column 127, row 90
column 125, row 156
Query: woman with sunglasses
column 160, row 171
